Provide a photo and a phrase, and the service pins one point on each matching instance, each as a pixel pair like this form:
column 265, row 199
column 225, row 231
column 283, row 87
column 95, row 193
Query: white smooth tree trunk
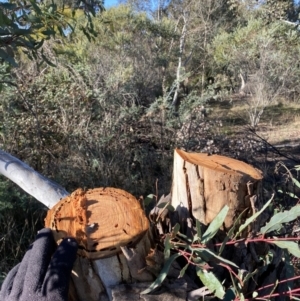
column 36, row 185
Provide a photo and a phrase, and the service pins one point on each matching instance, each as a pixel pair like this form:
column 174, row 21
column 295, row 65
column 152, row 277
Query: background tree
column 257, row 52
column 27, row 25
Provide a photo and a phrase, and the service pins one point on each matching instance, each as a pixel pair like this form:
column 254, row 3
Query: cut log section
column 203, row 184
column 102, row 220
column 105, row 223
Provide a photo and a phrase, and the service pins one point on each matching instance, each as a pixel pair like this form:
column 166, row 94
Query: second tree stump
column 203, row 184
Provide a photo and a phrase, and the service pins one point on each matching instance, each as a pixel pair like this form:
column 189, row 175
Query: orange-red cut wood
column 101, row 219
column 220, row 164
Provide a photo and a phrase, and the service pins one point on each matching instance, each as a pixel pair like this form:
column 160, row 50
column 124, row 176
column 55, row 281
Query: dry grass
column 280, row 123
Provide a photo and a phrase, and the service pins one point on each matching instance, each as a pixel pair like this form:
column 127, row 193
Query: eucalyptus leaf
column 34, row 19
column 8, row 6
column 163, row 205
column 48, row 32
column 184, row 237
column 296, row 182
column 211, row 282
column 199, row 232
column 148, row 199
column 162, row 275
column 250, row 275
column 215, row 225
column 6, row 57
column 209, row 255
column 38, row 44
column 182, row 272
column 48, row 61
column 4, row 31
column 35, row 7
column 166, row 205
column 253, row 217
column 22, row 31
column 168, row 246
column 291, row 246
column 231, row 232
column 278, row 219
column 292, row 195
column 175, row 230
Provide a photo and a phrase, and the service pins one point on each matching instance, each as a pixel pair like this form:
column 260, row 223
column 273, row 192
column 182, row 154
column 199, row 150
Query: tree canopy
column 27, row 25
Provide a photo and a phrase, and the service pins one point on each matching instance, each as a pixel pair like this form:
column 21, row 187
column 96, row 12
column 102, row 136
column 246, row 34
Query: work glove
column 41, row 276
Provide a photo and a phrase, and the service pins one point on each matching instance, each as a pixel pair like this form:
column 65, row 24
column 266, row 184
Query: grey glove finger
column 8, row 283
column 57, row 279
column 38, row 260
column 18, row 283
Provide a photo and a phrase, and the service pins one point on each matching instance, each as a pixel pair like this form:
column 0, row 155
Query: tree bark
column 41, row 188
column 175, row 101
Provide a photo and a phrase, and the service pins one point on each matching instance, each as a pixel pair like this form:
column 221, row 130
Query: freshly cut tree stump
column 106, row 223
column 102, row 220
column 203, row 184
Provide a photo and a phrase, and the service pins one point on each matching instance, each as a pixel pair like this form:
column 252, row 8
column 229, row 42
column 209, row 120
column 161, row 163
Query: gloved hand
column 41, row 276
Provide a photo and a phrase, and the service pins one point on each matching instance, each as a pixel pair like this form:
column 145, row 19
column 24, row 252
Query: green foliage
column 20, row 216
column 290, row 246
column 163, row 274
column 200, row 256
column 211, row 282
column 253, row 217
column 215, row 225
column 27, row 25
column 266, row 56
column 243, row 48
column 278, row 219
column 200, row 253
column 81, row 133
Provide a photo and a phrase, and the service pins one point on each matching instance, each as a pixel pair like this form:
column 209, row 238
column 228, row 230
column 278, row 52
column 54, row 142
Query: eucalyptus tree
column 74, row 122
column 265, row 56
column 27, row 25
column 71, row 121
column 197, row 22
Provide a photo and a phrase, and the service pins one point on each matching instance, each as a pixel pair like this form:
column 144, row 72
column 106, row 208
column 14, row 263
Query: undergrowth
column 20, row 217
column 204, row 252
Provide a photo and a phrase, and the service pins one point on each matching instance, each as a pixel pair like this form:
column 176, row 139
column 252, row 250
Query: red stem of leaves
column 293, row 292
